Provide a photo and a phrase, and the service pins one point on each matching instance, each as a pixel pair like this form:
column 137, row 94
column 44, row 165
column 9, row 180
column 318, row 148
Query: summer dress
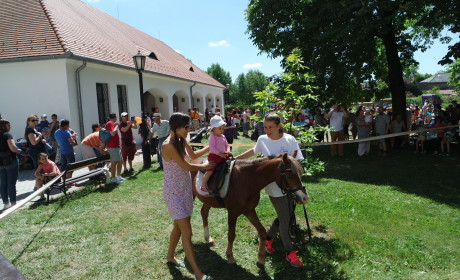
column 177, row 190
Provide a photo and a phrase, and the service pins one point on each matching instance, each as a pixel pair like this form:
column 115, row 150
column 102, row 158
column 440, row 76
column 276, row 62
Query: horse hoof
column 210, row 242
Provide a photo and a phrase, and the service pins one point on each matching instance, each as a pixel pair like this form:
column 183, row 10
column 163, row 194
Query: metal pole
column 141, row 91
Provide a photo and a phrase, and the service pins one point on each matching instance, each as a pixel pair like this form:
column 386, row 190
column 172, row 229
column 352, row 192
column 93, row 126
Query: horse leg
column 231, row 238
column 204, row 215
column 254, row 219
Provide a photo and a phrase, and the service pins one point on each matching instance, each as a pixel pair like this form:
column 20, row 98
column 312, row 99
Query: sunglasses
column 34, row 120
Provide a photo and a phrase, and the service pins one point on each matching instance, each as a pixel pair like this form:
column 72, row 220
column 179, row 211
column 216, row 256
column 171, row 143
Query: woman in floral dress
column 178, row 193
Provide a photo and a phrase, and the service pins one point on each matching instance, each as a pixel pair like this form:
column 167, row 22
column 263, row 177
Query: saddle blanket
column 223, row 191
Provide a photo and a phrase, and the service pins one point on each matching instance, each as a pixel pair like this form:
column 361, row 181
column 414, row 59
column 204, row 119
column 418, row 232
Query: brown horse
column 248, row 178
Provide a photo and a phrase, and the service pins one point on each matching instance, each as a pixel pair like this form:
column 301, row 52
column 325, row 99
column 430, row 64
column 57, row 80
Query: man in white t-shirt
column 335, row 117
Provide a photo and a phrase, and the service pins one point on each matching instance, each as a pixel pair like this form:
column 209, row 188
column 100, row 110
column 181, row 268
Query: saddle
column 218, row 178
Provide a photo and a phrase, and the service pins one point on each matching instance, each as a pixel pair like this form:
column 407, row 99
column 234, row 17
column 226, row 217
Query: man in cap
column 128, row 144
column 161, row 128
column 113, row 147
column 43, row 125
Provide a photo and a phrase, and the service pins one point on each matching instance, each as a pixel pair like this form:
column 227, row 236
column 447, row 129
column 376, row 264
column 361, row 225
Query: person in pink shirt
column 218, row 148
column 46, row 171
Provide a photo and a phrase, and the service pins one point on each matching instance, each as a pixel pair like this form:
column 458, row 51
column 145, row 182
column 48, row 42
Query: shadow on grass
column 61, row 203
column 321, row 256
column 176, row 272
column 212, row 263
column 426, row 175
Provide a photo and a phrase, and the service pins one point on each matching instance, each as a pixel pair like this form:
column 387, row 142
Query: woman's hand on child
column 209, row 165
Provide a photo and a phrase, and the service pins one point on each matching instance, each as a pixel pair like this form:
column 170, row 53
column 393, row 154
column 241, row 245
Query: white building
column 67, row 57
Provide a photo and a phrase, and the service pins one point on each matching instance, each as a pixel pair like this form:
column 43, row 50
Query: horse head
column 290, row 179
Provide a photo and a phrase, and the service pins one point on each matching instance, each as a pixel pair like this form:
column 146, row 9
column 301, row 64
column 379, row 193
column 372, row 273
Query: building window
column 102, row 91
column 122, row 99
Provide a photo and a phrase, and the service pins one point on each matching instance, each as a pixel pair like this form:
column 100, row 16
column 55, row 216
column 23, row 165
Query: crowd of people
column 48, row 147
column 48, row 143
column 361, row 122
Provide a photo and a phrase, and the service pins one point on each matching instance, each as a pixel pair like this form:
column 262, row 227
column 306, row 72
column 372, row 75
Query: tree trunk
column 395, row 74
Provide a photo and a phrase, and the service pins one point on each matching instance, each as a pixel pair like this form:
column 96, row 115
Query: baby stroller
column 25, row 162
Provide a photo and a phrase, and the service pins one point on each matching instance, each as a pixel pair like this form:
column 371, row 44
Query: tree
column 291, row 91
column 454, row 75
column 218, row 73
column 347, row 42
column 247, row 84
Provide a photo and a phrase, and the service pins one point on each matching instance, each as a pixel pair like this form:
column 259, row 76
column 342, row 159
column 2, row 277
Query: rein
column 285, row 185
column 291, row 194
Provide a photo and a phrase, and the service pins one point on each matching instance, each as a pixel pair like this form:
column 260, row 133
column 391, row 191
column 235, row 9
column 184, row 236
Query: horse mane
column 296, row 165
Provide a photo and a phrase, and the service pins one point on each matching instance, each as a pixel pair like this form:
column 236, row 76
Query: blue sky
column 213, row 31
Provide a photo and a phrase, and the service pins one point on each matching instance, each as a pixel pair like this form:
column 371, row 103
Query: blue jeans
column 8, row 177
column 66, row 159
column 160, row 151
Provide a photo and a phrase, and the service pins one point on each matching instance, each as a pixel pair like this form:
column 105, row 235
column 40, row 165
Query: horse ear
column 294, row 155
column 285, row 157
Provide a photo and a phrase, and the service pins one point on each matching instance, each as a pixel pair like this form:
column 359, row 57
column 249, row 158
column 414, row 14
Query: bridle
column 291, row 194
column 285, row 188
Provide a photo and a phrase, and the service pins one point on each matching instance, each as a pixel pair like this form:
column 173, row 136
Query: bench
column 196, row 136
column 99, row 174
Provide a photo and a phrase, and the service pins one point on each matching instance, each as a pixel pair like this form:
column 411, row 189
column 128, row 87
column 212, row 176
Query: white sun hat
column 216, row 121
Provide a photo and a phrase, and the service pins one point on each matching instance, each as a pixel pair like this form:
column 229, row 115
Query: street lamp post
column 139, row 63
column 227, row 86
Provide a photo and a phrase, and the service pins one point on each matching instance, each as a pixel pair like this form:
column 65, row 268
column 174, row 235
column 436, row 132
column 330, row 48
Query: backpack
column 105, row 135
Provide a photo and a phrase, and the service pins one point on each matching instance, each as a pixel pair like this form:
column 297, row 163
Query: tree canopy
column 218, row 73
column 345, row 43
column 245, row 86
column 454, row 75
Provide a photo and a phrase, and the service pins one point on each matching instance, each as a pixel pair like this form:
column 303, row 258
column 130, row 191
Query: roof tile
column 52, row 27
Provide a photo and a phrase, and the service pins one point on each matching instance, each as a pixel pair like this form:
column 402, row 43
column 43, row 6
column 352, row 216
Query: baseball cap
column 124, row 114
column 157, row 115
column 43, row 116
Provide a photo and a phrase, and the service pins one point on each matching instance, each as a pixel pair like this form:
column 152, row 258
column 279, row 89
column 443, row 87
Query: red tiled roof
column 30, row 28
column 26, row 31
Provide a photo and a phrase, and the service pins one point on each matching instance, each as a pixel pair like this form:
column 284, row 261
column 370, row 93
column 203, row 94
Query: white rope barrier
column 350, row 141
column 30, row 197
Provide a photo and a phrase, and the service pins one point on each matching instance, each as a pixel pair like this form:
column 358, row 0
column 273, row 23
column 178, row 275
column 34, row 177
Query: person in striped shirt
column 92, row 146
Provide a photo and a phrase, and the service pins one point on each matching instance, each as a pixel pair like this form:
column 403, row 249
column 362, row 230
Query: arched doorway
column 156, row 100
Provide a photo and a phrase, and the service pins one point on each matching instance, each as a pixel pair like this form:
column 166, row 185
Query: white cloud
column 177, row 51
column 254, row 65
column 223, row 43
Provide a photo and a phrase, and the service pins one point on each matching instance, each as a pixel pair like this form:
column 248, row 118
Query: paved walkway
column 26, row 181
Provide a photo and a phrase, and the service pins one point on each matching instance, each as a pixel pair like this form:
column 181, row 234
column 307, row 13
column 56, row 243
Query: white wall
column 33, row 87
column 49, row 86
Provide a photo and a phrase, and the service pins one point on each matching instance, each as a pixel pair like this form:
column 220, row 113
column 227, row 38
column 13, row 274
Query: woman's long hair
column 274, row 117
column 176, row 121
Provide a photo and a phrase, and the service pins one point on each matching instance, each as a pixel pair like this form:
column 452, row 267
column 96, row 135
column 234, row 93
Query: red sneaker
column 269, row 246
column 293, row 259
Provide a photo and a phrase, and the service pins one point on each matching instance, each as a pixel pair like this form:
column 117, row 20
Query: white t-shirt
column 246, row 116
column 336, row 121
column 268, row 147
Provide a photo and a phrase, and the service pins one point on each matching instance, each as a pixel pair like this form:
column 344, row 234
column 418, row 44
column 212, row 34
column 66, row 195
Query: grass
column 394, row 217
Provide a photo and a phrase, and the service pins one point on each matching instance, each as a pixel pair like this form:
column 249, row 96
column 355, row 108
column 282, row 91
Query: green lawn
column 393, row 217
